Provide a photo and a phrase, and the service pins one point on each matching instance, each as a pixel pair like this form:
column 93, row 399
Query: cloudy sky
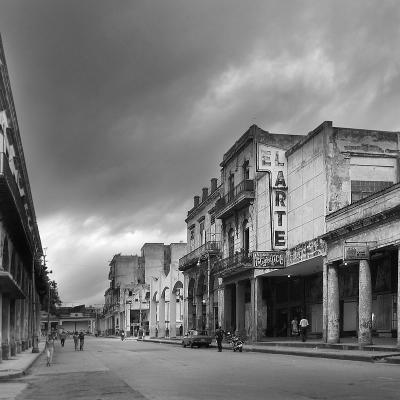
column 126, row 106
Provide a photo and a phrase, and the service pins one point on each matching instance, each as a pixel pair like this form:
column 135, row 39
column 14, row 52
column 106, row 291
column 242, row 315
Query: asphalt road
column 111, row 369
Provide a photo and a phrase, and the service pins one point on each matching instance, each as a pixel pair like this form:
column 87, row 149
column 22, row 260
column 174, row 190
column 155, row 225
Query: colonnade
column 331, row 307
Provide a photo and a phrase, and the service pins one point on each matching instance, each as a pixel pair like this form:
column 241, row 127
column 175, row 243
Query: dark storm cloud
column 126, row 107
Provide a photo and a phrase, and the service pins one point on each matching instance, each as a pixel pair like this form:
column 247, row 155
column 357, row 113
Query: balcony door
column 231, row 186
column 231, row 242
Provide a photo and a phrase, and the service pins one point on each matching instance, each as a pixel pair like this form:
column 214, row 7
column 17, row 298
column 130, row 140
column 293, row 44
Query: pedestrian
column 122, row 335
column 303, row 328
column 49, row 349
column 181, row 330
column 76, row 339
column 219, row 335
column 63, row 336
column 81, row 340
column 295, row 327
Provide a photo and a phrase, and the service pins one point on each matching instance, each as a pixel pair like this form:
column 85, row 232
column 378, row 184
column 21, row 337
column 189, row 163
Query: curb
column 18, row 373
column 314, row 354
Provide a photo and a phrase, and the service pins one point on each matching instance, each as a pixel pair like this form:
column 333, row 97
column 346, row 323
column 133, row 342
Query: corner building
column 309, row 227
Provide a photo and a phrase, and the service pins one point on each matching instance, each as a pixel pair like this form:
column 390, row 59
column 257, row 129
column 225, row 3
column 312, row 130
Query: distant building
column 20, row 244
column 122, row 309
column 166, row 287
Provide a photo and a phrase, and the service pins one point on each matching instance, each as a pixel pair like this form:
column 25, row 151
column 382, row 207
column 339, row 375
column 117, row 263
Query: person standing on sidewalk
column 63, row 336
column 219, row 335
column 76, row 339
column 49, row 349
column 303, row 329
column 81, row 340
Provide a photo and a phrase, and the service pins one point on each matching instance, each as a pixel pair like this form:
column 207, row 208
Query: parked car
column 196, row 338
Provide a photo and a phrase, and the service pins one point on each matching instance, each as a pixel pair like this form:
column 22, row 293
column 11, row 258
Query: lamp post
column 48, row 306
column 130, row 308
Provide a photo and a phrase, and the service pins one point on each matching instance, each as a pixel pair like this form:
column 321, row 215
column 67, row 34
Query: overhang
column 9, row 286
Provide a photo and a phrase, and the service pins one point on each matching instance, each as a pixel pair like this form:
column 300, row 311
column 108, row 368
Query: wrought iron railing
column 244, row 186
column 239, row 259
column 208, row 247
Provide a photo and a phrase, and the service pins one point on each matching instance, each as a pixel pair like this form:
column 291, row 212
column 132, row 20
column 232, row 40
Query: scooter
column 235, row 341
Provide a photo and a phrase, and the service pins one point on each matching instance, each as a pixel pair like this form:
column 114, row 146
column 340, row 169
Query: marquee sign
column 269, row 259
column 355, row 252
column 273, row 160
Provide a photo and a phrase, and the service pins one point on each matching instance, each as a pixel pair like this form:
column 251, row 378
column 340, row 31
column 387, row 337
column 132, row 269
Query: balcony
column 241, row 196
column 238, row 262
column 190, row 259
column 12, row 205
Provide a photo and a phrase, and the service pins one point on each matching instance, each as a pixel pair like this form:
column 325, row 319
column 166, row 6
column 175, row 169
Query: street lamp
column 35, row 339
column 51, row 283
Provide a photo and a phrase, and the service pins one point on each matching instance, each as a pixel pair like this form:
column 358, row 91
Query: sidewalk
column 381, row 351
column 17, row 366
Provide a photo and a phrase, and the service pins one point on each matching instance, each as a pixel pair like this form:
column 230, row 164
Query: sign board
column 273, row 160
column 305, row 251
column 355, row 252
column 269, row 259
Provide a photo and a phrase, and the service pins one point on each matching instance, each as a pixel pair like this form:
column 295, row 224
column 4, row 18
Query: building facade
column 294, row 238
column 127, row 283
column 21, row 274
column 166, row 287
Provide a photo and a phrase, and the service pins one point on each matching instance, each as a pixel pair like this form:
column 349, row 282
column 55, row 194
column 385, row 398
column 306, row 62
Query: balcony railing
column 212, row 247
column 9, row 187
column 239, row 261
column 235, row 198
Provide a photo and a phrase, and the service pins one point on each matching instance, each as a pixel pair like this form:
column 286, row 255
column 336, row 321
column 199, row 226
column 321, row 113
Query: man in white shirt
column 303, row 328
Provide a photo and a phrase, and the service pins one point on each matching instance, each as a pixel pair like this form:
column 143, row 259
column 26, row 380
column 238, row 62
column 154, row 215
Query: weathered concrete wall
column 306, row 191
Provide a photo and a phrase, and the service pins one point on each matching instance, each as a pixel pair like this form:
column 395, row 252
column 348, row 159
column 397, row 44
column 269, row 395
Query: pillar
column 1, row 326
column 240, row 328
column 13, row 344
column 365, row 304
column 256, row 308
column 161, row 325
column 172, row 314
column 18, row 326
column 325, row 300
column 221, row 304
column 398, row 297
column 227, row 315
column 333, row 333
column 153, row 315
column 5, row 328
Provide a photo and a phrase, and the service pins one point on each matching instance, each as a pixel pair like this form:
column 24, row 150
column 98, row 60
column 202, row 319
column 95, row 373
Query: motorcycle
column 236, row 342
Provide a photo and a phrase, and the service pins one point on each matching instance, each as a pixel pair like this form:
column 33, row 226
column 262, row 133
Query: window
column 191, row 239
column 362, row 189
column 246, row 237
column 130, row 293
column 231, row 242
column 231, row 186
column 202, row 233
column 246, row 170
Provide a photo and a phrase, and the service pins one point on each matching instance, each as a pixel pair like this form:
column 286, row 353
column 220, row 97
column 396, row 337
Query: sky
column 126, row 107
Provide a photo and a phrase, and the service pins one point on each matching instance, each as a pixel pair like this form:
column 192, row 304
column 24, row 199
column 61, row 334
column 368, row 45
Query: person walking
column 303, row 328
column 219, row 335
column 49, row 349
column 63, row 336
column 295, row 327
column 81, row 340
column 76, row 339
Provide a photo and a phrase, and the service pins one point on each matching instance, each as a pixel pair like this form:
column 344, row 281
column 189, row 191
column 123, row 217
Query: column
column 398, row 297
column 221, row 304
column 153, row 314
column 365, row 304
column 18, row 326
column 5, row 328
column 1, row 326
column 172, row 314
column 256, row 307
column 161, row 325
column 333, row 311
column 325, row 300
column 227, row 314
column 240, row 329
column 13, row 345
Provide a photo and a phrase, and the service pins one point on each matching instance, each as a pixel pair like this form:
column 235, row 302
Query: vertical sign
column 271, row 159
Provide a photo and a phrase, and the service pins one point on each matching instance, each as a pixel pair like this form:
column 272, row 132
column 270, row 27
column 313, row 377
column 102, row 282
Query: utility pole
column 35, row 339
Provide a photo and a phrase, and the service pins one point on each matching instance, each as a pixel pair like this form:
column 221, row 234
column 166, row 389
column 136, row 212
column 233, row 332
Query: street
column 112, row 369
